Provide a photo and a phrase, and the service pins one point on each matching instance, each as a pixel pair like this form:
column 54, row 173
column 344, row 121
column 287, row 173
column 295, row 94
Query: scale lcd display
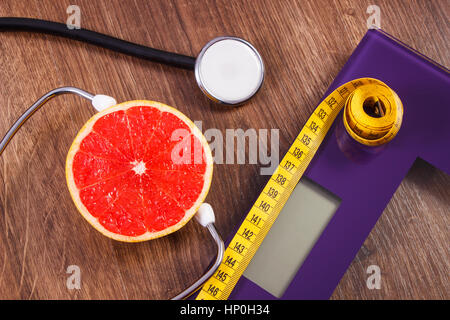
column 294, row 233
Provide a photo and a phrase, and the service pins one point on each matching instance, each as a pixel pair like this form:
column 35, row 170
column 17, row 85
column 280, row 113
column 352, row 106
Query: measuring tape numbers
column 372, row 116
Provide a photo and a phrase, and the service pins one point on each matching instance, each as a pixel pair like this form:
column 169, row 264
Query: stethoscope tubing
column 98, row 39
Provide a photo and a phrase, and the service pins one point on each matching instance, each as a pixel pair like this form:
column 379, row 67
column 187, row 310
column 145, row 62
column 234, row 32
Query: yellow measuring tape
column 372, row 116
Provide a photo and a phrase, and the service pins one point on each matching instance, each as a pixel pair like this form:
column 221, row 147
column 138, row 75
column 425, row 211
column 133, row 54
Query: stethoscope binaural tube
column 205, row 217
column 205, row 214
column 228, row 70
column 36, row 106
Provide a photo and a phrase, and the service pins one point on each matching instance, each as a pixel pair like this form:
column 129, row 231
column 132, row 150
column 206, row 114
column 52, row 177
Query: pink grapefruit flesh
column 139, row 170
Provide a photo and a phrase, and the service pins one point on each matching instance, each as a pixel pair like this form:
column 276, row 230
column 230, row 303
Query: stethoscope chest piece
column 229, row 70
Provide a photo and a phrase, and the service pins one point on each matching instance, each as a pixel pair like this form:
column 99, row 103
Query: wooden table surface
column 304, row 45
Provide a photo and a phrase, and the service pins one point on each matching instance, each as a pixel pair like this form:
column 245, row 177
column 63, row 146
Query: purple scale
column 366, row 189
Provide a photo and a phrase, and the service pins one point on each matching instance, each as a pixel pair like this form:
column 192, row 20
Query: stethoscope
column 228, row 71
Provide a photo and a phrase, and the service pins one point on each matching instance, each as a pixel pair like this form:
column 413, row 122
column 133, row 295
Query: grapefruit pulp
column 139, row 170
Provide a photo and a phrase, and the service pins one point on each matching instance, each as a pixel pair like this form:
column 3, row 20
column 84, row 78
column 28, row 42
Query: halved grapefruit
column 139, row 170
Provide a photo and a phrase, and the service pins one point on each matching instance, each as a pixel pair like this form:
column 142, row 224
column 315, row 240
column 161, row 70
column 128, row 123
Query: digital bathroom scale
column 333, row 209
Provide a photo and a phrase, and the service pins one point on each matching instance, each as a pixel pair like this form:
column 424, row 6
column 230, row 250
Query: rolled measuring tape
column 372, row 117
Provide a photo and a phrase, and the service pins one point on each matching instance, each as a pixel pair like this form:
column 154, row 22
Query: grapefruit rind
column 75, row 194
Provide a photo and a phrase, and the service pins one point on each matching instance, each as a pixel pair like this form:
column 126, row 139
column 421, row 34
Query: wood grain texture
column 304, row 45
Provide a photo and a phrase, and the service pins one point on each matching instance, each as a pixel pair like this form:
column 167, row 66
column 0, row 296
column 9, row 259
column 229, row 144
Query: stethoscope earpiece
column 229, row 70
